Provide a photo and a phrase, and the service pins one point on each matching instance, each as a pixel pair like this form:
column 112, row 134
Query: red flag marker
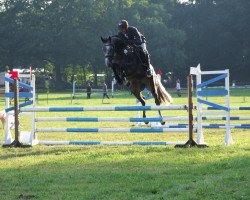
column 160, row 72
column 14, row 74
column 30, row 71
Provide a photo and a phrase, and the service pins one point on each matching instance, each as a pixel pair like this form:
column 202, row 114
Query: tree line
column 63, row 37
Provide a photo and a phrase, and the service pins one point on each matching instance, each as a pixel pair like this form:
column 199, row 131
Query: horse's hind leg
column 139, row 96
column 153, row 90
column 159, row 113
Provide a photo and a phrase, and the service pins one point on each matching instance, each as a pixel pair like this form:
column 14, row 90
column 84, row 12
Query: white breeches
column 143, row 46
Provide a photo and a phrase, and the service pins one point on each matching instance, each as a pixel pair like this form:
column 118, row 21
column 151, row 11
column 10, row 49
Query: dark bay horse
column 127, row 61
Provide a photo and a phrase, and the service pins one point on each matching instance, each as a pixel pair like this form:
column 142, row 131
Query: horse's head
column 109, row 51
column 113, row 49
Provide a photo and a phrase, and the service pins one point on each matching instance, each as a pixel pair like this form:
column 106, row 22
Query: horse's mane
column 116, row 39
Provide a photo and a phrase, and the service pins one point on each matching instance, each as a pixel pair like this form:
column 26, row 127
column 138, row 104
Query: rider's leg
column 147, row 59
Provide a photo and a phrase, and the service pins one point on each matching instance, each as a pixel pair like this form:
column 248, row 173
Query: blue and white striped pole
column 132, row 119
column 116, row 130
column 101, row 108
column 109, row 119
column 117, row 143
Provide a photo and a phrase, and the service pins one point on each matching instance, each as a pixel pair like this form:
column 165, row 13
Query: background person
column 88, row 90
column 105, row 90
column 178, row 88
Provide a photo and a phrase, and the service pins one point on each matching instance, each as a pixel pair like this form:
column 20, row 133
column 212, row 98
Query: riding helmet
column 123, row 24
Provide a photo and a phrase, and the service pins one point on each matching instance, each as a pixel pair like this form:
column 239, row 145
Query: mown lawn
column 127, row 172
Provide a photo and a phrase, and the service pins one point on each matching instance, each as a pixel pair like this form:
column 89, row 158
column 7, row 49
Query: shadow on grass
column 127, row 174
column 24, row 152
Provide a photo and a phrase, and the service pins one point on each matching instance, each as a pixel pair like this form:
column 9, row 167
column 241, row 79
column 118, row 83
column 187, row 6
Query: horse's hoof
column 163, row 123
column 146, row 122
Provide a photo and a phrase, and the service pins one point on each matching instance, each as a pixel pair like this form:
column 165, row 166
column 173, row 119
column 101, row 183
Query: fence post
column 16, row 142
column 190, row 142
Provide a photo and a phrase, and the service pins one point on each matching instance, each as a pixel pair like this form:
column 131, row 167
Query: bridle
column 110, row 53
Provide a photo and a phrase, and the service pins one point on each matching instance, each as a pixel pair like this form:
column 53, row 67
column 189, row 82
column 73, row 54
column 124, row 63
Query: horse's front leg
column 143, row 103
column 116, row 74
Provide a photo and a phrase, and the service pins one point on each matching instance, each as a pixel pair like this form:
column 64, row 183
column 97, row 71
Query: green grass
column 127, row 172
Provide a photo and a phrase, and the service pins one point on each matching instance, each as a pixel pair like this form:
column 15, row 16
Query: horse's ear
column 103, row 40
column 109, row 39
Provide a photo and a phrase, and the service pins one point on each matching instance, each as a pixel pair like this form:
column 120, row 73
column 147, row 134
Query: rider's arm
column 134, row 35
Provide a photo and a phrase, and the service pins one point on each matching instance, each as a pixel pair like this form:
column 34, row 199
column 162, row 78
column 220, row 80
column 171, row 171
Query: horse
column 128, row 61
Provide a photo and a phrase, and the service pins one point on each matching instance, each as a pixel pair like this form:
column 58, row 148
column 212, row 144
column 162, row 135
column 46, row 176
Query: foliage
column 67, row 33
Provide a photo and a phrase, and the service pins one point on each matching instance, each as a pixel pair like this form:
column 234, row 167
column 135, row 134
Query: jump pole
column 190, row 142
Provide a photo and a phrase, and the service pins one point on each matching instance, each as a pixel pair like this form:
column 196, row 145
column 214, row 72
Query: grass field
column 127, row 172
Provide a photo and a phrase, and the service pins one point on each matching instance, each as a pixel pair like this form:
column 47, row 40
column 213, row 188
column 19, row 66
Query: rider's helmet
column 122, row 24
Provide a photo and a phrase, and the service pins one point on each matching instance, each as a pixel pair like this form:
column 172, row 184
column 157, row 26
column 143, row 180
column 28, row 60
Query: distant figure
column 168, row 79
column 2, row 118
column 233, row 83
column 11, row 120
column 88, row 90
column 105, row 90
column 178, row 88
column 165, row 82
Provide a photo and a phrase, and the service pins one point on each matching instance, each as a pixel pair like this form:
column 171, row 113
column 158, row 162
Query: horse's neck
column 117, row 42
column 126, row 57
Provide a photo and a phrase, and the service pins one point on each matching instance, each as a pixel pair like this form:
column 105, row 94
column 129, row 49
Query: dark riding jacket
column 133, row 36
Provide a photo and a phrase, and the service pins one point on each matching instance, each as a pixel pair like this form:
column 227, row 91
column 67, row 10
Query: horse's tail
column 164, row 96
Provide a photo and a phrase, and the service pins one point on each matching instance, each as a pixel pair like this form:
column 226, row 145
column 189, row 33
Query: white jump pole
column 228, row 136
column 33, row 137
column 200, row 137
column 7, row 133
column 113, row 82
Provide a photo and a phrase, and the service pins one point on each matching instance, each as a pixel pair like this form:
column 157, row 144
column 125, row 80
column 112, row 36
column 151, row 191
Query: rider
column 133, row 36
